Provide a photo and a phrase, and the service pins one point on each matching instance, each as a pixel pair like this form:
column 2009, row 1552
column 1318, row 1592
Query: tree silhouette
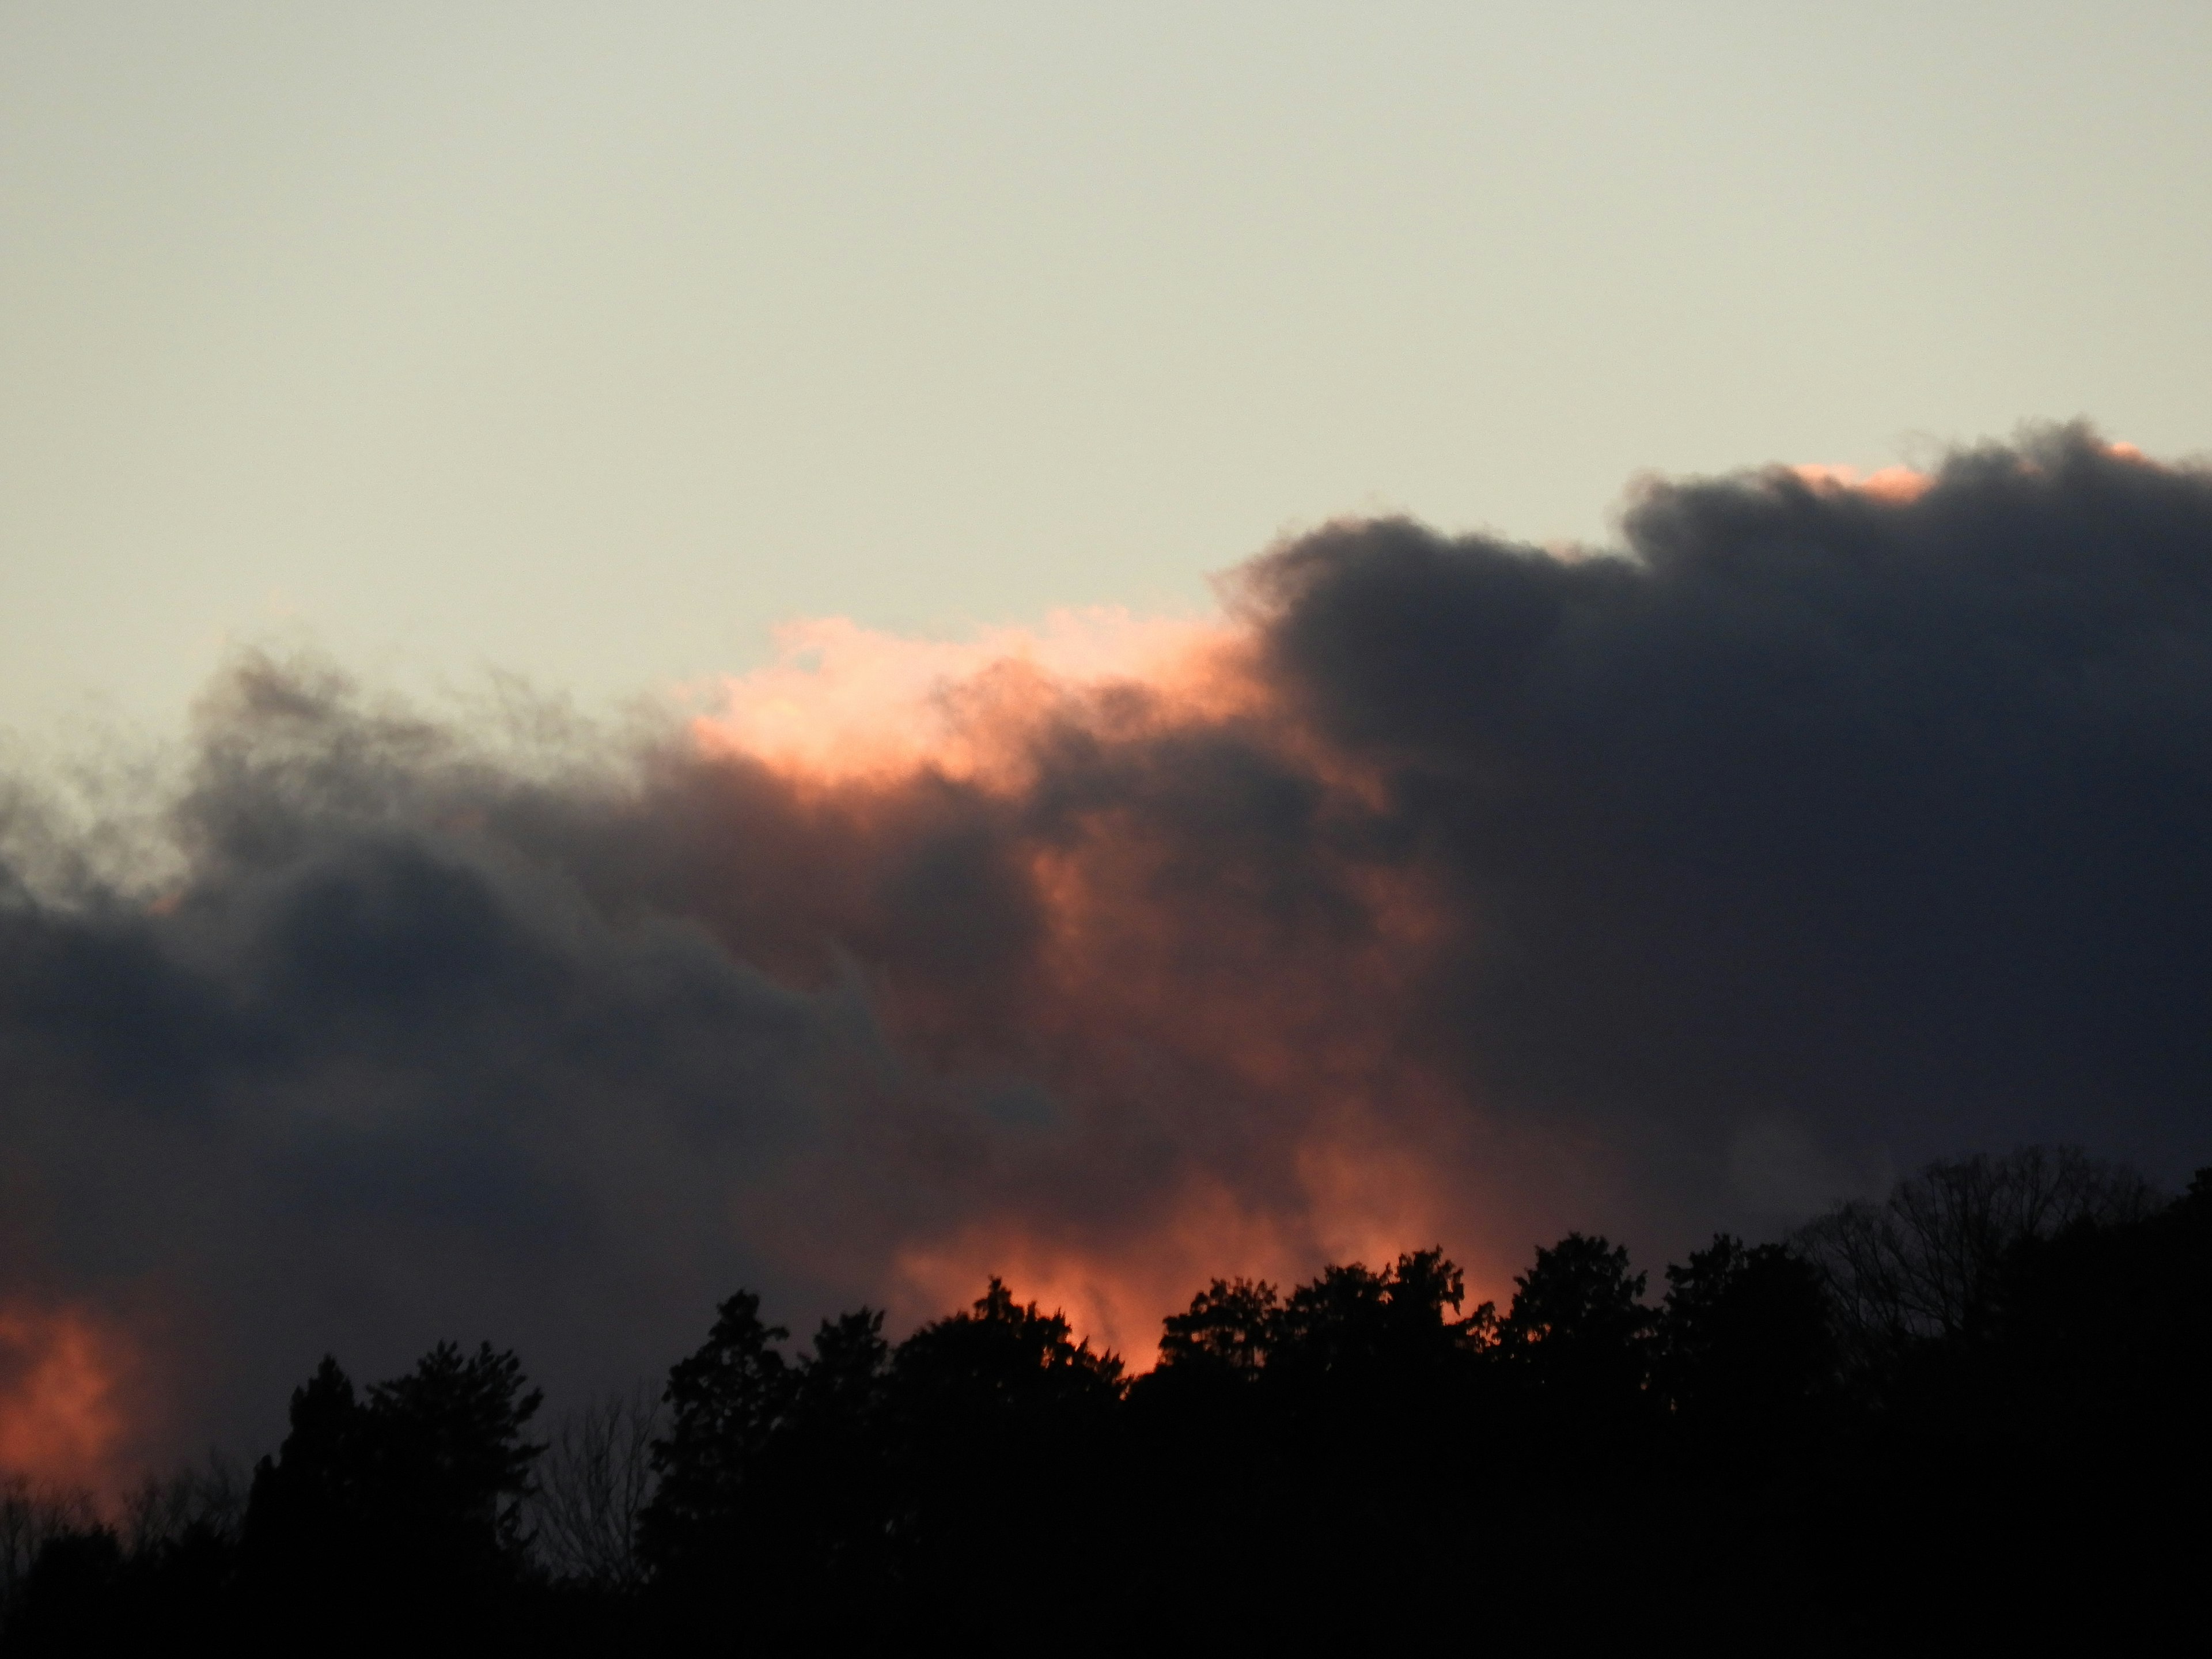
column 1354, row 1323
column 1001, row 1385
column 400, row 1509
column 841, row 1377
column 1576, row 1339
column 830, row 1464
column 449, row 1455
column 592, row 1489
column 1745, row 1346
column 1230, row 1328
column 310, row 1515
column 1992, row 1449
column 1925, row 1261
column 724, row 1401
column 998, row 1424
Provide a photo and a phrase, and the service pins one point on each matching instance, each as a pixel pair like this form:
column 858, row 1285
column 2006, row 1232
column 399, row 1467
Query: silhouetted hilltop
column 1975, row 1407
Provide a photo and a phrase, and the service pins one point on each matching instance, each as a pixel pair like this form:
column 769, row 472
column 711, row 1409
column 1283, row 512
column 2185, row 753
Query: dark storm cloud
column 1816, row 832
column 1889, row 816
column 369, row 1074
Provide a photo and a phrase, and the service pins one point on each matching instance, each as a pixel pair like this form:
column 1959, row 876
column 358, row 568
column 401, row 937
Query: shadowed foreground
column 1972, row 1410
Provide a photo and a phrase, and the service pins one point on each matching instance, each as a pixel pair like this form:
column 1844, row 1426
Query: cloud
column 1437, row 889
column 1880, row 810
column 62, row 1380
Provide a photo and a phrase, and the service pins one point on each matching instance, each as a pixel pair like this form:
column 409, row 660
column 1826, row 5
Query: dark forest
column 1976, row 1406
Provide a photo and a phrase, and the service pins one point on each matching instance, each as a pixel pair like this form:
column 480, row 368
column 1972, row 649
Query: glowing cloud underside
column 1123, row 965
column 61, row 1405
column 1437, row 891
column 841, row 704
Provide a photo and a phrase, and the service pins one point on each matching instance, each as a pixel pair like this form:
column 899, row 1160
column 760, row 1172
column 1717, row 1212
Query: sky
column 590, row 344
column 837, row 651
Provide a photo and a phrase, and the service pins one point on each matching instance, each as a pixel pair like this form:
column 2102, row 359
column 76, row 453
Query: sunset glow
column 875, row 827
column 1143, row 987
column 1392, row 906
column 842, row 704
column 1888, row 483
column 61, row 1409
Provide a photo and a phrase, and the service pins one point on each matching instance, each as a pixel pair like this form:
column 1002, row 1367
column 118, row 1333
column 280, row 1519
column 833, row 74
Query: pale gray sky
column 588, row 341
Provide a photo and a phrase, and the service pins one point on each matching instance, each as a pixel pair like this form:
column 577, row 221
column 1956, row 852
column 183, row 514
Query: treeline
column 1975, row 1409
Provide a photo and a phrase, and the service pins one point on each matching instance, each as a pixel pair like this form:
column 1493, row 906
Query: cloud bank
column 1439, row 889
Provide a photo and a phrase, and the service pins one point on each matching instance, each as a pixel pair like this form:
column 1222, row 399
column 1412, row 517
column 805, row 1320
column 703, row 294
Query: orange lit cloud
column 1438, row 891
column 1900, row 486
column 1897, row 484
column 1170, row 993
column 842, row 704
column 1353, row 1203
column 62, row 1375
